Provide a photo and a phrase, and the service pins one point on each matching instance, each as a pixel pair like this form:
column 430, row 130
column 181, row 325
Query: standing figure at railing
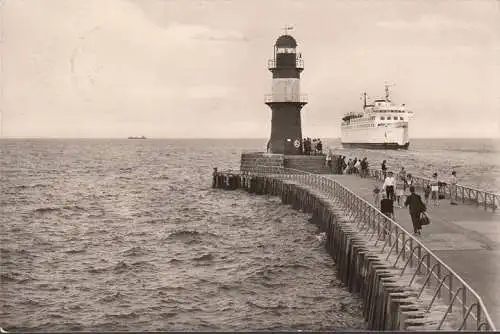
column 357, row 166
column 401, row 187
column 364, row 167
column 376, row 195
column 384, row 169
column 453, row 188
column 328, row 162
column 435, row 189
column 427, row 192
column 319, row 146
column 408, row 183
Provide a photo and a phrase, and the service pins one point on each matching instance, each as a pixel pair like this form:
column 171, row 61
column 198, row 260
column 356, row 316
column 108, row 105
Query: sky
column 193, row 68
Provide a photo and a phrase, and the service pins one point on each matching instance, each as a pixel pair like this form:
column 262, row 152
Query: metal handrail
column 397, row 237
column 487, row 199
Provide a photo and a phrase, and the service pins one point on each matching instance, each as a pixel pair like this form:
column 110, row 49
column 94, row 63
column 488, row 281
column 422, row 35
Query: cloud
column 431, row 22
column 200, row 32
column 208, row 91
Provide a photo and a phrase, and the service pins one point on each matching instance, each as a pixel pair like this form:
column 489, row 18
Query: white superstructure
column 382, row 124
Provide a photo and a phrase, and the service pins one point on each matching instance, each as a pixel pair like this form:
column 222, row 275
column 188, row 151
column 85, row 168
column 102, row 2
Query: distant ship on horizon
column 381, row 125
column 137, row 137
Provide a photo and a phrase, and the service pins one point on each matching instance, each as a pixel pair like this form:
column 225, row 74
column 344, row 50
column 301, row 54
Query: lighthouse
column 285, row 101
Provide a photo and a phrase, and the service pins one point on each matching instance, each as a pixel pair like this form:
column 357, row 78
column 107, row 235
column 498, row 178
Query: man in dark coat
column 416, row 205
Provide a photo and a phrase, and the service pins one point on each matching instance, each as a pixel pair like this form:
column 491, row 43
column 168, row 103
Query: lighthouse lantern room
column 286, row 101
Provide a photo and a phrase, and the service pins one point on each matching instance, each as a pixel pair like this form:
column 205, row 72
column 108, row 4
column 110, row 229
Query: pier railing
column 485, row 199
column 432, row 272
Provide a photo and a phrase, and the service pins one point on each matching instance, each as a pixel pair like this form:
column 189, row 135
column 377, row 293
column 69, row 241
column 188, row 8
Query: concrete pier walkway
column 466, row 237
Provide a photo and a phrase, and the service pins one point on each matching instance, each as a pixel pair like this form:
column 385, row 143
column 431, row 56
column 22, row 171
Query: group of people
column 312, row 146
column 400, row 190
column 340, row 164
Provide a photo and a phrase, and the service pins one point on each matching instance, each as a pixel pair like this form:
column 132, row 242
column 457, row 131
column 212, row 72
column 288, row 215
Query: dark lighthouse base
column 377, row 146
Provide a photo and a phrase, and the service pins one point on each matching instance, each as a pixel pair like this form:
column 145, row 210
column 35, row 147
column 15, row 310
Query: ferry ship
column 382, row 125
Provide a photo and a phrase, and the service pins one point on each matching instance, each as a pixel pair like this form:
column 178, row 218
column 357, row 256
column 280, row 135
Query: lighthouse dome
column 286, row 41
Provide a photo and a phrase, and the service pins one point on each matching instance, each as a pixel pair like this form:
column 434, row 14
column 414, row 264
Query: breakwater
column 403, row 285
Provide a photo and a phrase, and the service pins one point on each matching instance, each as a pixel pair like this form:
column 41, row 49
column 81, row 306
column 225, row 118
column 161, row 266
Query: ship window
column 388, row 118
column 401, row 118
column 382, row 118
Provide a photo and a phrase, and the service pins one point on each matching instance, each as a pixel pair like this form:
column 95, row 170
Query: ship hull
column 388, row 137
column 377, row 146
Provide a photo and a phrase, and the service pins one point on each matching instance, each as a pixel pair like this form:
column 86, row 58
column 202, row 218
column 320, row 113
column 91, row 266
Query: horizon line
column 217, row 138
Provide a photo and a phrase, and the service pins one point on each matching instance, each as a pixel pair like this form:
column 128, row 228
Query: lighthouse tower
column 286, row 102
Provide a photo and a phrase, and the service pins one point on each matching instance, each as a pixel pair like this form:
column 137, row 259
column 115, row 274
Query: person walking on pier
column 402, row 175
column 376, row 195
column 329, row 157
column 416, row 208
column 389, row 185
column 357, row 166
column 401, row 187
column 427, row 192
column 387, row 206
column 319, row 146
column 364, row 168
column 408, row 184
column 384, row 170
column 453, row 188
column 435, row 189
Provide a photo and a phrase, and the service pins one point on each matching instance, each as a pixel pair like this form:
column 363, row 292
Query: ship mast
column 387, row 92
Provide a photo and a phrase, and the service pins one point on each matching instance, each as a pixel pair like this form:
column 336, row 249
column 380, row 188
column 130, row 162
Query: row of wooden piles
column 389, row 304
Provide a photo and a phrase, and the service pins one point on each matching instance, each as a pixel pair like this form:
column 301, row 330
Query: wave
column 188, row 236
column 175, row 261
column 8, row 277
column 93, row 270
column 204, row 257
column 32, row 186
column 74, row 208
column 131, row 315
column 136, row 251
column 475, row 150
column 46, row 210
column 76, row 250
column 121, row 267
column 277, row 306
column 111, row 297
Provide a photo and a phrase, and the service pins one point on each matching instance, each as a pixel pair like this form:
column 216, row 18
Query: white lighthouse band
column 286, row 89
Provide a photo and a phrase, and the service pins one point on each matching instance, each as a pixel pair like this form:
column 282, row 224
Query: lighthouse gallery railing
column 299, row 63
